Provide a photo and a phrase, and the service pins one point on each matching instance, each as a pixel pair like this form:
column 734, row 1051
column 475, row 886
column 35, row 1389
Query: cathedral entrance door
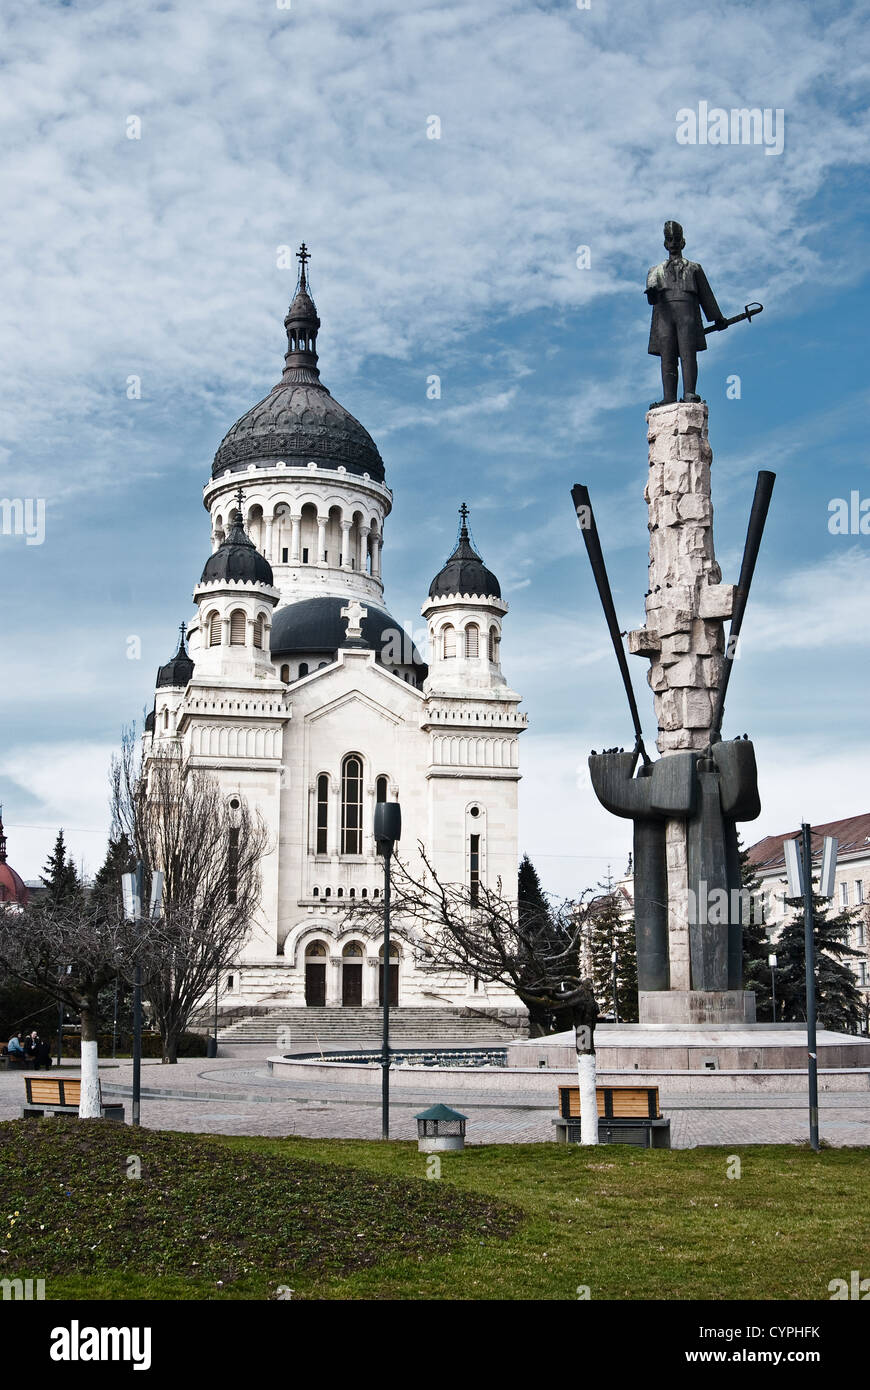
column 351, row 985
column 315, row 984
column 394, row 986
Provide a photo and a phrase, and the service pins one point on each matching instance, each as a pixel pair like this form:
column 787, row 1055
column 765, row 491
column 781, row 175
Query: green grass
column 340, row 1219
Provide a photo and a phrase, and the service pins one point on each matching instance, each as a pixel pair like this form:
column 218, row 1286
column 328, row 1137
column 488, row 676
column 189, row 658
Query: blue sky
column 157, row 257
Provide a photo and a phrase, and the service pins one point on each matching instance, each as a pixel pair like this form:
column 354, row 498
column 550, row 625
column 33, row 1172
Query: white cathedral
column 303, row 695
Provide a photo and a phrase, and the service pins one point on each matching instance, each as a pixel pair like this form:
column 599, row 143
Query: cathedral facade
column 300, row 693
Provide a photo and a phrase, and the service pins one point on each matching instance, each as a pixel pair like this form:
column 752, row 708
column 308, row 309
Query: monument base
column 674, row 1007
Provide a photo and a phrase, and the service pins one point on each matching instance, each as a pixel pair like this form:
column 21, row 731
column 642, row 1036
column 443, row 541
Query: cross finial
column 240, row 497
column 303, row 255
column 182, row 628
column 463, row 512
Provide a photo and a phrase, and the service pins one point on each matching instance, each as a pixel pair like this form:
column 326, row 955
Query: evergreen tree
column 612, row 931
column 838, row 999
column 536, row 920
column 107, row 881
column 756, row 943
column 60, row 877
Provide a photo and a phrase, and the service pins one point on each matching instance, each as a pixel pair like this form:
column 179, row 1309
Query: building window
column 231, row 980
column 351, row 805
column 284, row 554
column 214, row 630
column 844, row 894
column 237, row 628
column 381, row 789
column 233, row 866
column 859, row 933
column 449, row 642
column 259, row 631
column 303, row 669
column 474, row 869
column 166, row 719
column 322, row 812
column 285, row 674
column 493, row 644
column 305, row 555
column 859, row 891
column 472, row 641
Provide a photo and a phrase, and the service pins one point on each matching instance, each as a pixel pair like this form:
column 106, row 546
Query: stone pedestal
column 696, row 1006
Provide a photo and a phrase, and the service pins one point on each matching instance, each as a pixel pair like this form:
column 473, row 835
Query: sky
column 446, row 164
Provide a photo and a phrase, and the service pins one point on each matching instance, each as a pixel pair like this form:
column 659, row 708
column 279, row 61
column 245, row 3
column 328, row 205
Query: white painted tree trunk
column 588, row 1098
column 89, row 1103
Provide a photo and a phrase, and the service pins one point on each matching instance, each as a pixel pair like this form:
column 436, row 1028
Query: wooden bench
column 626, row 1115
column 61, row 1095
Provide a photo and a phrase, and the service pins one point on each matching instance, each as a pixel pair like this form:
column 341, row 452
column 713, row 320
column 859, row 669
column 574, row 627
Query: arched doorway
column 352, row 975
column 316, row 956
column 394, row 976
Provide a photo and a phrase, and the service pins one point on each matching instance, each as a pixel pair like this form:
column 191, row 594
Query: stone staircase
column 338, row 1027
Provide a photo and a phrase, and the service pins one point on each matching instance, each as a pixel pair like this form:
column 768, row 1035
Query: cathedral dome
column 316, row 626
column 177, row 672
column 13, row 889
column 464, row 572
column 299, row 419
column 237, row 559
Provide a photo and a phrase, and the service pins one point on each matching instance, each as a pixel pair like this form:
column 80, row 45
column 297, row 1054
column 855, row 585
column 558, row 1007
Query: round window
column 475, row 811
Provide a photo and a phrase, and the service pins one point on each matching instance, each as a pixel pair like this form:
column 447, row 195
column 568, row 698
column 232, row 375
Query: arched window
column 238, row 624
column 351, row 805
column 493, row 644
column 303, row 669
column 166, row 722
column 322, row 813
column 381, row 789
column 472, row 641
column 285, row 674
column 214, row 630
column 259, row 630
column 449, row 637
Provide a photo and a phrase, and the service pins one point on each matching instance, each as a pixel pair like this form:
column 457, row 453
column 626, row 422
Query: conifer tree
column 535, row 919
column 756, row 942
column 838, row 999
column 612, row 932
column 60, row 877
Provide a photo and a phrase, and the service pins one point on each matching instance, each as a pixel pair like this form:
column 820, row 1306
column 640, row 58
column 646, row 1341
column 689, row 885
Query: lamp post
column 799, row 875
column 132, row 887
column 64, row 970
column 771, row 960
column 388, row 829
column 615, row 996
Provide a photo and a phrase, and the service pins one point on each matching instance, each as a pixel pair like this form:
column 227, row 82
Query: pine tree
column 59, row 876
column 107, row 880
column 611, row 931
column 838, row 999
column 756, row 943
column 536, row 919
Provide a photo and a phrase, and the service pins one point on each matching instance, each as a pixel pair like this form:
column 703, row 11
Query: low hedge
column 189, row 1044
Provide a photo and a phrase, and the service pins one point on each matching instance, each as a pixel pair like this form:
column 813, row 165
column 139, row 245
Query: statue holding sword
column 678, row 290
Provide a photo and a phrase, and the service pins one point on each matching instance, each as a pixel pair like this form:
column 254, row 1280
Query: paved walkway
column 234, row 1094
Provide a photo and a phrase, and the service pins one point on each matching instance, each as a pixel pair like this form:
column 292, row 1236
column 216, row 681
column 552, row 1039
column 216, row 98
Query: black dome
column 237, row 558
column 315, row 625
column 465, row 572
column 178, row 671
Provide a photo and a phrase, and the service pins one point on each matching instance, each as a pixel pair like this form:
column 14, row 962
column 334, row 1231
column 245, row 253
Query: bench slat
column 625, row 1102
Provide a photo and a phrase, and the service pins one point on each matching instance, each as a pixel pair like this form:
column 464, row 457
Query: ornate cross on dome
column 303, row 255
column 463, row 512
column 182, row 628
column 354, row 613
column 240, row 497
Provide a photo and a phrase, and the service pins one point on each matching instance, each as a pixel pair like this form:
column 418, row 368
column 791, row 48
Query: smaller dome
column 13, row 889
column 465, row 572
column 178, row 671
column 237, row 558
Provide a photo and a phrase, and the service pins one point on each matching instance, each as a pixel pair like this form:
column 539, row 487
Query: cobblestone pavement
column 234, row 1094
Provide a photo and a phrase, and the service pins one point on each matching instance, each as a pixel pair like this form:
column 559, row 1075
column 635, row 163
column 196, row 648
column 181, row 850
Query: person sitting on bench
column 15, row 1051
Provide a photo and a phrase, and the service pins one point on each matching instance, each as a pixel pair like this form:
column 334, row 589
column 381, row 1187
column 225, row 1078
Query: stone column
column 333, row 982
column 370, row 984
column 346, row 556
column 321, row 539
column 376, row 555
column 267, row 551
column 295, row 539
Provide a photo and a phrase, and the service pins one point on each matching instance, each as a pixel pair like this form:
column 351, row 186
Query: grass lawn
column 224, row 1217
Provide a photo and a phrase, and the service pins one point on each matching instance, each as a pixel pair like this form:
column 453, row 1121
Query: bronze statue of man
column 678, row 290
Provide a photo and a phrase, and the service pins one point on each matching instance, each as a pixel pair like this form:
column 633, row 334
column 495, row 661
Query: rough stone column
column 684, row 633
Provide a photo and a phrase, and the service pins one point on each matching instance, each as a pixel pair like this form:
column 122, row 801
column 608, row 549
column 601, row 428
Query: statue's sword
column 749, row 313
column 586, row 523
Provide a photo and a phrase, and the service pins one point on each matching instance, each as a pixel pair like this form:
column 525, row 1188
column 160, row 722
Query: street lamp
column 132, row 886
column 388, row 829
column 615, row 997
column 771, row 960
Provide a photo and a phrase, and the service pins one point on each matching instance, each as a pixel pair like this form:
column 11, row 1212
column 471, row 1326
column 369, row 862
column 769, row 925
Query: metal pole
column 115, row 1022
column 59, row 1031
column 773, row 992
column 810, row 954
column 137, row 1015
column 217, row 984
column 615, row 997
column 385, row 1044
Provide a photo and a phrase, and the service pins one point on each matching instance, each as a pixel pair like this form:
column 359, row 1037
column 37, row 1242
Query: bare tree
column 72, row 951
column 178, row 819
column 535, row 955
